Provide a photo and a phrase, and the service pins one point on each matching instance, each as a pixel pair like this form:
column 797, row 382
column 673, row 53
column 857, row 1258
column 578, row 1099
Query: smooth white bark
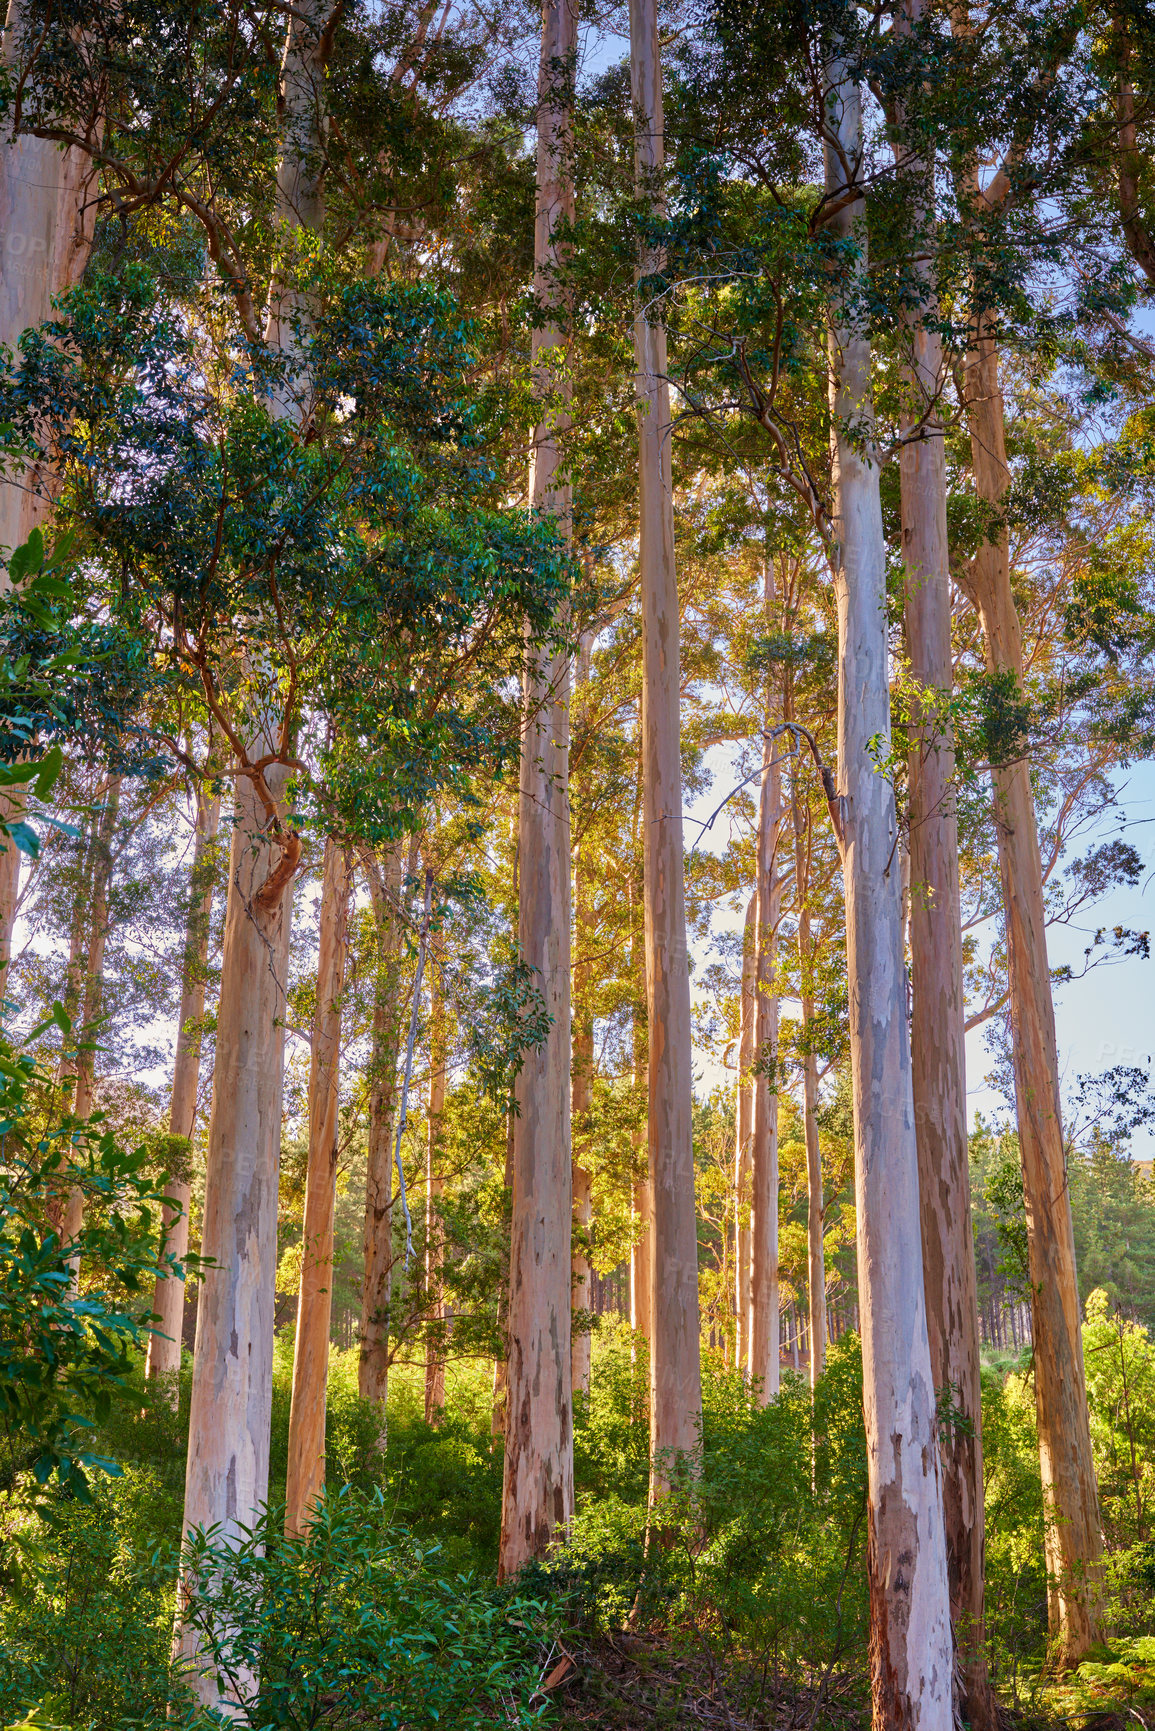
column 912, row 1657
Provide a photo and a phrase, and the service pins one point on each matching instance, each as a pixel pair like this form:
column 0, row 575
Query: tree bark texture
column 764, row 1361
column 227, row 1474
column 47, row 219
column 675, row 1358
column 938, row 1013
column 747, row 1013
column 305, row 1478
column 582, row 1084
column 642, row 1248
column 1073, row 1530
column 538, row 1493
column 164, row 1343
column 384, row 881
column 434, row 1188
column 815, row 1202
column 911, row 1650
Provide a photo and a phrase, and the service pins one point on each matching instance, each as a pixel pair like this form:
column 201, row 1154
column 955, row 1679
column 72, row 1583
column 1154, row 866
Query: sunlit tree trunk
column 675, row 1359
column 911, row 1649
column 434, row 1188
column 537, row 1495
column 582, row 1078
column 764, row 1347
column 747, row 1015
column 47, row 218
column 163, row 1358
column 1073, row 1534
column 937, row 1019
column 1073, row 1529
column 227, row 1476
column 815, row 1203
column 642, row 1248
column 377, row 1287
column 305, row 1477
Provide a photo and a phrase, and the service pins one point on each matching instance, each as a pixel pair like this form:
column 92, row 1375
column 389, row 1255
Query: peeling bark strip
column 937, row 1020
column 305, row 1479
column 675, row 1354
column 168, row 1295
column 537, row 1492
column 910, row 1644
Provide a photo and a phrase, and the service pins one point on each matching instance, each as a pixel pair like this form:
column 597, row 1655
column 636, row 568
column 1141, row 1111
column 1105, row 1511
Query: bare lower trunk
column 501, row 1362
column 815, row 1202
column 937, row 1021
column 163, row 1359
column 434, row 1187
column 581, row 1087
column 90, row 1032
column 745, row 1113
column 911, row 1649
column 227, row 1475
column 675, row 1356
column 305, row 1478
column 47, row 218
column 642, row 1248
column 1073, row 1531
column 538, row 1492
column 376, row 1291
column 764, row 1349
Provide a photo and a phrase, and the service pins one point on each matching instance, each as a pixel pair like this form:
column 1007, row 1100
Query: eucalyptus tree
column 538, row 1495
column 809, row 266
column 675, row 1355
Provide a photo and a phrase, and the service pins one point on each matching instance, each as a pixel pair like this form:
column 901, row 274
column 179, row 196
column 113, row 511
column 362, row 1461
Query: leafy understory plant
column 350, row 1624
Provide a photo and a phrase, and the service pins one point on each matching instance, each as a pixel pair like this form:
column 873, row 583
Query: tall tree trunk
column 747, row 1015
column 937, row 1021
column 582, row 1079
column 47, row 218
column 675, row 1353
column 305, row 1479
column 764, row 1321
column 1073, row 1534
column 163, row 1358
column 642, row 1247
column 227, row 1476
column 537, row 1492
column 89, row 1032
column 377, row 1287
column 434, row 1187
column 910, row 1644
column 1073, row 1530
column 501, row 1361
column 815, row 1202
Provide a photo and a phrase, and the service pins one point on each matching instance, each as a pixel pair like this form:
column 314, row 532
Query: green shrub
column 356, row 1624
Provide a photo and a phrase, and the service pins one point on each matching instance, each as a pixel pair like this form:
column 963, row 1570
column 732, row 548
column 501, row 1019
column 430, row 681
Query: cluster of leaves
column 71, row 1315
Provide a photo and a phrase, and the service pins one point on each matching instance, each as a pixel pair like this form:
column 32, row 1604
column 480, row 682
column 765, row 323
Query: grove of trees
column 578, row 617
